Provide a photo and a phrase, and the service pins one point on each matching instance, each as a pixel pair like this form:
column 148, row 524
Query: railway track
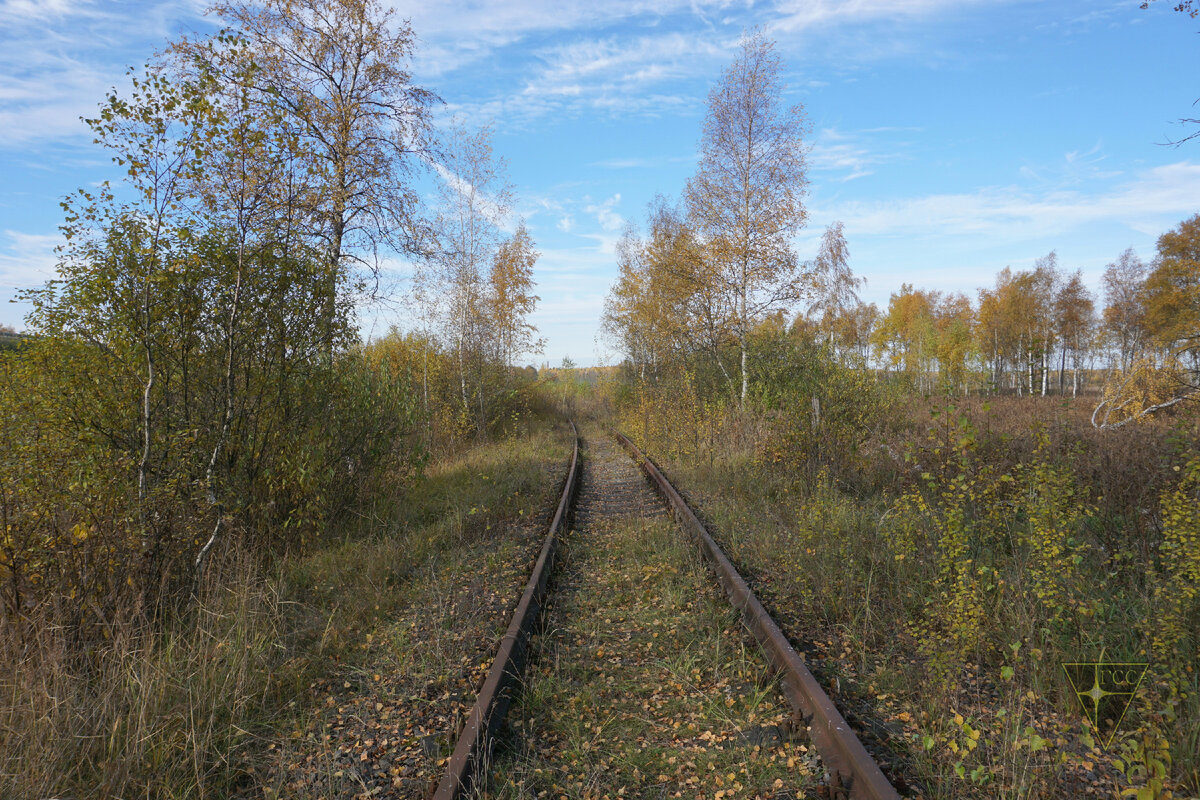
column 643, row 677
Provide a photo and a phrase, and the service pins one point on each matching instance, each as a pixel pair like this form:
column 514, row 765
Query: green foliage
column 188, row 380
column 1054, row 512
column 821, row 412
column 988, row 557
column 1176, row 580
column 432, row 371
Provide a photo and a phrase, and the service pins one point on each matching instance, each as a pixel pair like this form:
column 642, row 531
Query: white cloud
column 17, row 11
column 28, row 259
column 566, row 224
column 1157, row 197
column 458, row 33
column 59, row 57
column 799, row 15
column 499, row 215
column 853, row 154
column 649, row 75
column 609, row 219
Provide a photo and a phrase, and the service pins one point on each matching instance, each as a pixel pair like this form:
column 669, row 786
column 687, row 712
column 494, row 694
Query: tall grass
column 185, row 704
column 145, row 709
column 949, row 559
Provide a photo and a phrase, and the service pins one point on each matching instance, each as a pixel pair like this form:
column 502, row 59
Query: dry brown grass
column 139, row 709
column 1124, row 470
column 1059, row 530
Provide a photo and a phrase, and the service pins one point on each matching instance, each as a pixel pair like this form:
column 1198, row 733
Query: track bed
column 644, row 683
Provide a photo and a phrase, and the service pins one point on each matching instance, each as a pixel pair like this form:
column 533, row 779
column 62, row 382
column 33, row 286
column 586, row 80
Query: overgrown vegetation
column 193, row 409
column 946, row 559
column 231, row 694
column 212, row 491
column 943, row 556
column 644, row 683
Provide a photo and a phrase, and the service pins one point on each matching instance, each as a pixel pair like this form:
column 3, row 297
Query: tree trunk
column 462, row 377
column 1029, row 366
column 745, row 372
column 1042, row 365
column 226, row 422
column 745, row 327
column 1062, row 368
column 1017, row 378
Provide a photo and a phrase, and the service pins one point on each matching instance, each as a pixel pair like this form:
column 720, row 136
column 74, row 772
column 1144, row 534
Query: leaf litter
column 645, row 683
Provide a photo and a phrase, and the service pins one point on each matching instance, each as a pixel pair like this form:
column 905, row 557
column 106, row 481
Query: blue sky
column 951, row 138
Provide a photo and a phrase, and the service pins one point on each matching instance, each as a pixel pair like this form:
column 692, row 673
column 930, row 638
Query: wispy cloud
column 1156, row 197
column 25, row 11
column 27, row 259
column 851, row 155
column 59, row 57
column 605, row 214
column 798, row 15
column 502, row 216
column 836, row 152
column 458, row 33
column 650, row 75
column 1075, row 168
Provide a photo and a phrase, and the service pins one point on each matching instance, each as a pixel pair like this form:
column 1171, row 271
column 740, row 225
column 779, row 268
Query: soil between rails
column 644, row 683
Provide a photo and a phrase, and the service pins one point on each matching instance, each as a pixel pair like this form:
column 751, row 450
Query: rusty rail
column 852, row 771
column 468, row 763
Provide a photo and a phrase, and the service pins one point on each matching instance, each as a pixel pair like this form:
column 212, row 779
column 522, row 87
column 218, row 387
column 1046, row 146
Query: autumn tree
column 745, row 200
column 852, row 330
column 625, row 320
column 1074, row 314
column 510, row 296
column 688, row 299
column 1170, row 300
column 474, row 198
column 954, row 321
column 1016, row 325
column 1042, row 331
column 996, row 328
column 906, row 335
column 339, row 69
column 1124, row 309
column 1172, row 291
column 662, row 303
column 834, row 285
column 125, row 269
column 204, row 323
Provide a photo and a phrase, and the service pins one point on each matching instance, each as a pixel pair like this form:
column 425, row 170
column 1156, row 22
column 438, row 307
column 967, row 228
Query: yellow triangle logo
column 1105, row 692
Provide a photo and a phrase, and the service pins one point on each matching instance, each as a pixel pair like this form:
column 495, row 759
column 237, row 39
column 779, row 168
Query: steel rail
column 468, row 763
column 852, row 772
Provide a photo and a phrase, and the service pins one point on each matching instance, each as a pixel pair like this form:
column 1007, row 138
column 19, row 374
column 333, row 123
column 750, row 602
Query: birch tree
column 510, row 297
column 125, row 263
column 835, row 286
column 1124, row 307
column 1074, row 313
column 474, row 198
column 339, row 68
column 746, row 199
